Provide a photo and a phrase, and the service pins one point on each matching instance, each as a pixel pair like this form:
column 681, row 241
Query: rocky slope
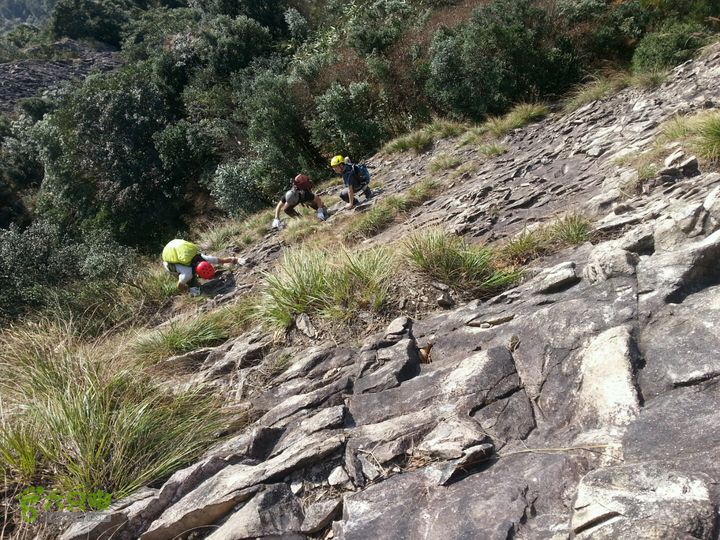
column 583, row 403
column 26, row 78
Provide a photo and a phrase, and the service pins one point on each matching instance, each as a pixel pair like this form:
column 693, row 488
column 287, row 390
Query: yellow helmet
column 337, row 160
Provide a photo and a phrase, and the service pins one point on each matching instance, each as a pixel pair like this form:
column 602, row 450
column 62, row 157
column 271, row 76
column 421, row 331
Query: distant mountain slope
column 14, row 12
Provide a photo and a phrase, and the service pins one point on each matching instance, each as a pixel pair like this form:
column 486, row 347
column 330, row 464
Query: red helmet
column 303, row 182
column 205, row 270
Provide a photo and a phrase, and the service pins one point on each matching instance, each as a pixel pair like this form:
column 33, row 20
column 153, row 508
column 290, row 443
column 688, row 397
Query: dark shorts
column 306, row 197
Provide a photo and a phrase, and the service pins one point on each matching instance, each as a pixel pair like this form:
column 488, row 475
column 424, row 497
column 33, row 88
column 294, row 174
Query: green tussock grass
column 474, row 135
column 519, row 116
column 604, row 86
column 386, row 211
column 599, row 88
column 200, row 330
column 492, row 150
column 72, row 418
column 417, row 141
column 241, row 232
column 327, row 284
column 699, row 133
column 452, row 261
column 708, row 140
column 421, row 139
column 523, row 248
column 300, row 229
column 571, row 229
column 442, row 163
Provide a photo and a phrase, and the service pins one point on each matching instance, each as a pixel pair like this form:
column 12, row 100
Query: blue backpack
column 361, row 173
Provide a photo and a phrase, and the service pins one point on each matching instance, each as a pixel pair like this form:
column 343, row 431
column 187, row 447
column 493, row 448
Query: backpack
column 361, row 174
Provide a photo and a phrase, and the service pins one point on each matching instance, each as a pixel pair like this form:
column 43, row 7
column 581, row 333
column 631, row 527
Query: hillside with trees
column 546, row 190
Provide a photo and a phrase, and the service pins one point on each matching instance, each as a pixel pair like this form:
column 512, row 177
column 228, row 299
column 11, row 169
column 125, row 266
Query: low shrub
column 673, row 44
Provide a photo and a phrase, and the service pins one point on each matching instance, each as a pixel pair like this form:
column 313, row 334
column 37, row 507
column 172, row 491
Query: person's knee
column 290, row 211
column 344, row 195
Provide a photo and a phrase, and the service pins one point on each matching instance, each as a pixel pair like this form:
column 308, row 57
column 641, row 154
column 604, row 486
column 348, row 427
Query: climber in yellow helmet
column 184, row 259
column 355, row 177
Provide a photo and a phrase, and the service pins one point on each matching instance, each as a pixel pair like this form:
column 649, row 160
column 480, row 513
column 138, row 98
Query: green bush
column 237, row 186
column 268, row 14
column 349, row 120
column 673, row 44
column 374, row 27
column 520, row 59
column 147, row 34
column 230, row 44
column 39, row 261
column 102, row 20
column 101, row 164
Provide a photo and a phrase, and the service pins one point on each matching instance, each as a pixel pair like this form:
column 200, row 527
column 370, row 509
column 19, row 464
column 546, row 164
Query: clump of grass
column 452, row 261
column 179, row 337
column 72, row 419
column 417, row 141
column 421, row 139
column 444, row 162
column 442, row 129
column 649, row 79
column 380, row 216
column 474, row 135
column 572, row 229
column 700, row 132
column 219, row 236
column 708, row 140
column 520, row 115
column 524, row 247
column 298, row 230
column 492, row 150
column 599, row 88
column 317, row 282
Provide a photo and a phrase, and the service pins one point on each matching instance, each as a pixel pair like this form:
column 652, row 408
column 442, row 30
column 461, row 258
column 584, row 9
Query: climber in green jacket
column 184, row 259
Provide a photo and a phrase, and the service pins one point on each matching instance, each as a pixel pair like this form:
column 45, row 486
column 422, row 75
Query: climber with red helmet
column 185, row 260
column 299, row 193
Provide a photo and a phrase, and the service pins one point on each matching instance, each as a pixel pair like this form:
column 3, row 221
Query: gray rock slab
column 319, row 515
column 217, row 496
column 274, row 511
column 398, row 363
column 681, row 344
column 491, row 504
column 680, row 423
column 643, row 501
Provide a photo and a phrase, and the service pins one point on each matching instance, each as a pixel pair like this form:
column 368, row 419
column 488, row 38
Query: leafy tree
column 269, row 14
column 102, row 167
column 148, row 34
column 102, row 20
column 277, row 142
column 230, row 44
column 349, row 120
column 521, row 59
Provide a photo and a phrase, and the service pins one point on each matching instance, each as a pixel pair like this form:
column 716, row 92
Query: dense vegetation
column 224, row 101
